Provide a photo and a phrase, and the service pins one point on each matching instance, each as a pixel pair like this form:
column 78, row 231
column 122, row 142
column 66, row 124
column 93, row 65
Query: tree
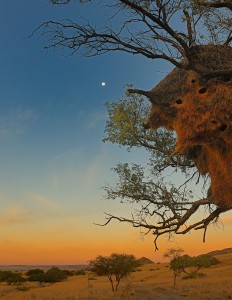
column 39, row 278
column 34, row 271
column 52, row 275
column 116, row 266
column 190, row 265
column 12, row 278
column 173, row 254
column 80, row 272
column 191, row 109
column 15, row 279
column 4, row 275
column 187, row 264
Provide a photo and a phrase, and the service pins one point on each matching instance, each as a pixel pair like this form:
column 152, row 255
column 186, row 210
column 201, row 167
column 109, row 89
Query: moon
column 103, row 83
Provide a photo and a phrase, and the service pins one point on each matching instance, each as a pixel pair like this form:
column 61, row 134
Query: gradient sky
column 53, row 162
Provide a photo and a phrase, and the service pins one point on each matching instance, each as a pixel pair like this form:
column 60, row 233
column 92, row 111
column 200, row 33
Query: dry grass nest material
column 200, row 111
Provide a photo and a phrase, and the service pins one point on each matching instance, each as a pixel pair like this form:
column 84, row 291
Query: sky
column 53, row 161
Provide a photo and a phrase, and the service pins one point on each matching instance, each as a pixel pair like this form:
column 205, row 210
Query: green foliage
column 4, row 275
column 179, row 263
column 80, row 272
column 201, row 262
column 15, row 279
column 51, row 276
column 55, row 275
column 213, row 260
column 69, row 273
column 173, row 253
column 125, row 127
column 34, row 272
column 187, row 264
column 12, row 278
column 146, row 185
column 190, row 265
column 38, row 277
column 116, row 265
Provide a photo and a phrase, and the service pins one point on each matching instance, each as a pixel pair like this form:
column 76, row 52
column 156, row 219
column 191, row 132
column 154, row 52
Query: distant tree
column 4, row 275
column 55, row 275
column 34, row 272
column 40, row 278
column 116, row 266
column 184, row 262
column 173, row 254
column 52, row 275
column 213, row 260
column 189, row 265
column 80, row 272
column 69, row 273
column 16, row 279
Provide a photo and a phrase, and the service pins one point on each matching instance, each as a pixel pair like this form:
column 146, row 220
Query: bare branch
column 163, row 24
column 189, row 28
column 147, row 30
column 174, row 224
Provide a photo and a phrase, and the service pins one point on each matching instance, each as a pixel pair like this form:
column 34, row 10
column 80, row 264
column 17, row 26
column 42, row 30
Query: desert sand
column 149, row 282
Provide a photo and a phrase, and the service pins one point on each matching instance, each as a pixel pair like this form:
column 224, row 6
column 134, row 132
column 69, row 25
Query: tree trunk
column 112, row 284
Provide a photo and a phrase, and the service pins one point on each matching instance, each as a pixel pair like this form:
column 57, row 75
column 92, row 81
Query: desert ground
column 149, row 282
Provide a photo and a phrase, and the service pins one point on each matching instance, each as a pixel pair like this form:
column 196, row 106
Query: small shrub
column 22, row 288
column 55, row 275
column 39, row 277
column 193, row 276
column 210, row 259
column 4, row 275
column 80, row 272
column 214, row 261
column 69, row 273
column 51, row 276
column 34, row 272
column 15, row 279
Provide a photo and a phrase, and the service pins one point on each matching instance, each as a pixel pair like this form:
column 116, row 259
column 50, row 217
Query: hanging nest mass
column 197, row 104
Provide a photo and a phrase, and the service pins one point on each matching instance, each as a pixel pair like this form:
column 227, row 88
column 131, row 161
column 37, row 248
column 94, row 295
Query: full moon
column 103, row 83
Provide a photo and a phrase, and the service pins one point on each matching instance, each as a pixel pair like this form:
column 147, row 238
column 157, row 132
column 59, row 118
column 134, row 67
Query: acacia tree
column 116, row 267
column 187, row 264
column 190, row 266
column 192, row 105
column 173, row 254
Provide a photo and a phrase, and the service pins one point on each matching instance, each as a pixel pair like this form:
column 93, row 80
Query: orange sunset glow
column 57, row 155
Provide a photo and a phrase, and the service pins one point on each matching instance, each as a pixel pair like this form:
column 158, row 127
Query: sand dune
column 151, row 282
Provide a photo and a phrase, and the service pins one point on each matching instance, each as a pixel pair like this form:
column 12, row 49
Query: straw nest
column 200, row 111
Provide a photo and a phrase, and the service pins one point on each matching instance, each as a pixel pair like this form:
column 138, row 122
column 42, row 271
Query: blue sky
column 52, row 158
